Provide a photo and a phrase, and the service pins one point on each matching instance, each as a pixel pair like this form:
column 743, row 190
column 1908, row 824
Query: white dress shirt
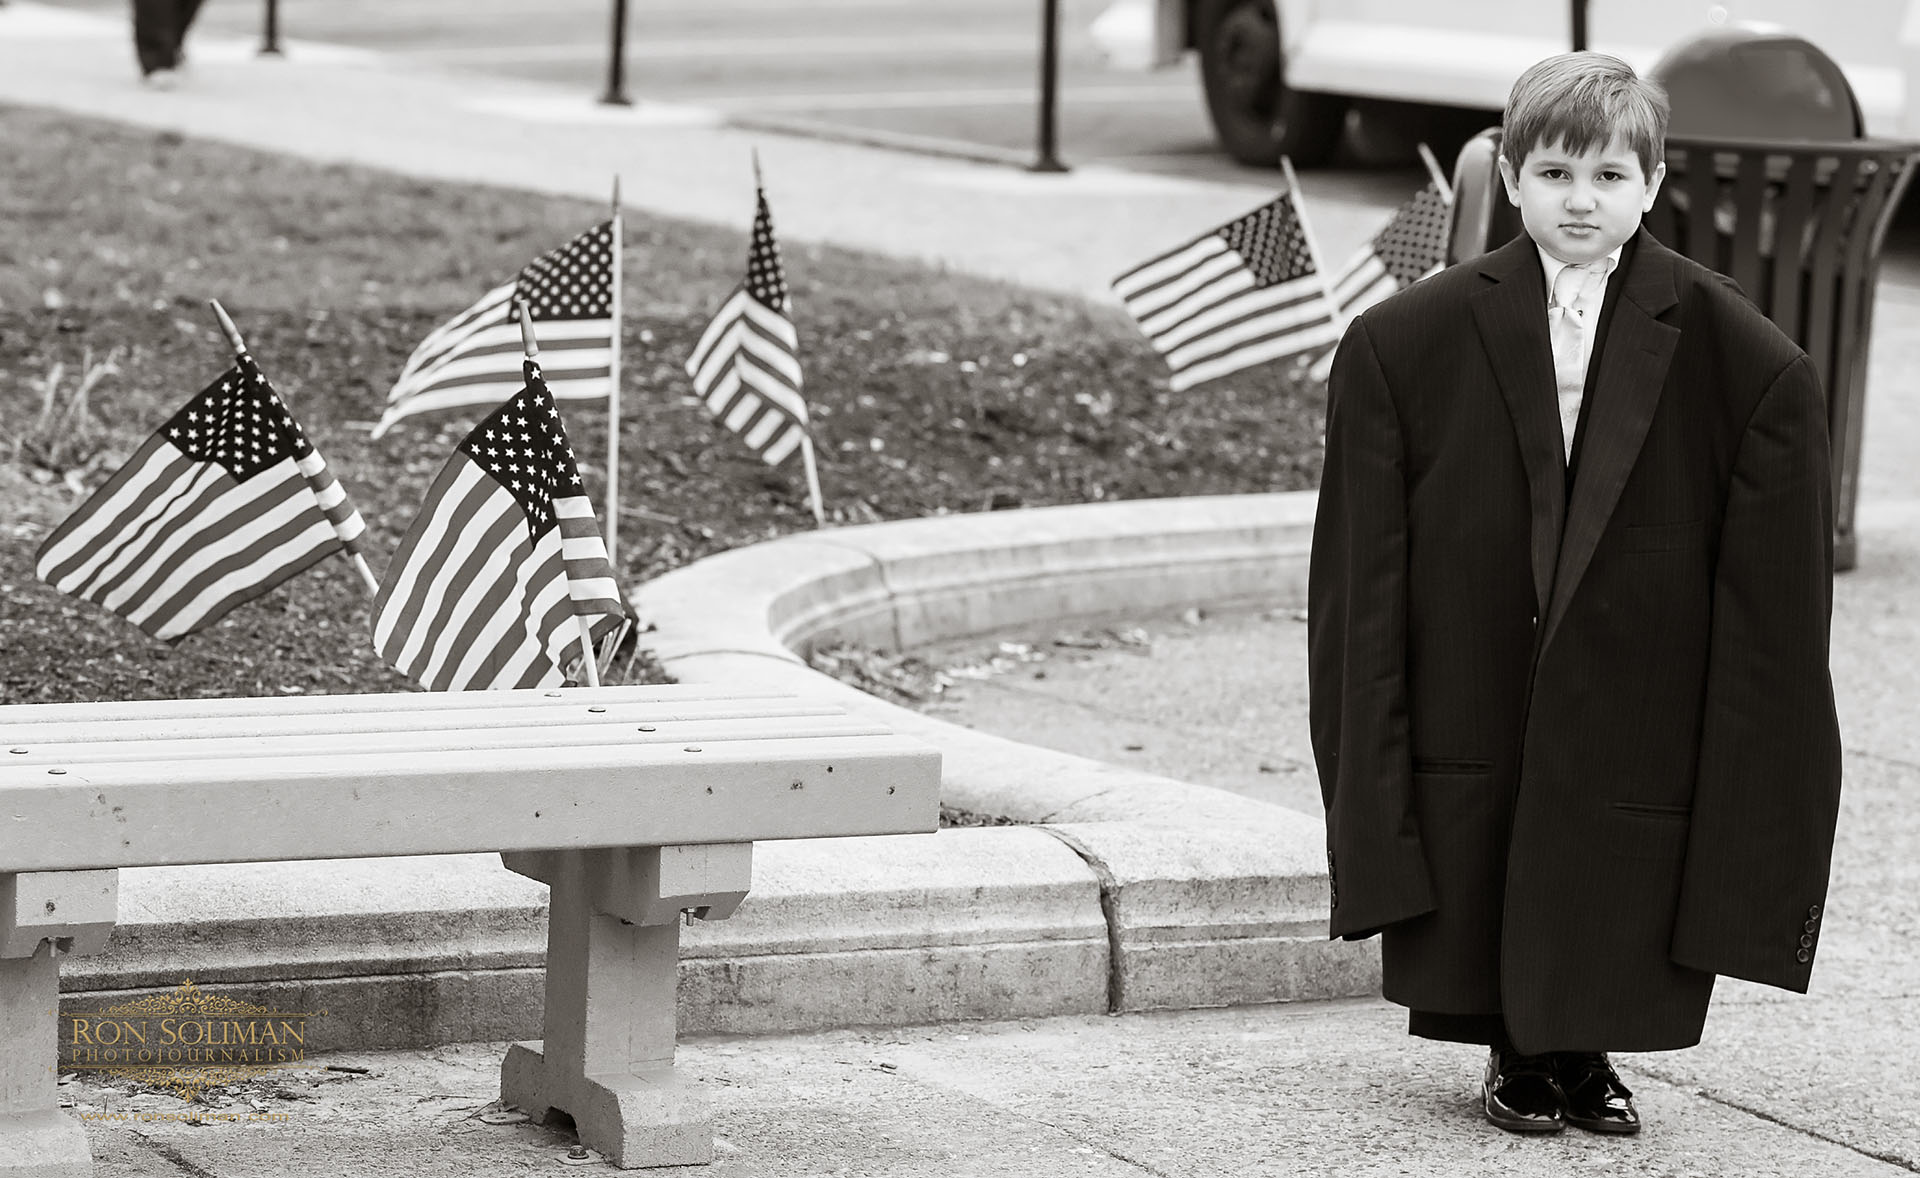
column 1570, row 372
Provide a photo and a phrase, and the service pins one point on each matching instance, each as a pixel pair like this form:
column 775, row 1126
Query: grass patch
column 933, row 392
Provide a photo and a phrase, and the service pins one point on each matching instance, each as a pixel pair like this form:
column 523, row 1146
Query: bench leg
column 37, row 1140
column 607, row 1056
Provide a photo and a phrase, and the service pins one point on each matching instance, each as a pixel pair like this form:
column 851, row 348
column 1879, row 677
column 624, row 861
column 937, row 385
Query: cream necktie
column 1568, row 320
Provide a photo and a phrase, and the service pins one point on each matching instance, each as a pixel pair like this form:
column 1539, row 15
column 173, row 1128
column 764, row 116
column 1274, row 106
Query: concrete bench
column 635, row 805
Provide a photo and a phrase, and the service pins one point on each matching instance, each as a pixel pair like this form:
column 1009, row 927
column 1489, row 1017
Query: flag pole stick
column 1319, row 266
column 589, row 656
column 366, row 574
column 226, row 326
column 806, row 436
column 613, row 392
column 813, row 478
column 589, row 664
column 1306, row 231
column 1439, row 177
column 524, row 315
column 240, row 349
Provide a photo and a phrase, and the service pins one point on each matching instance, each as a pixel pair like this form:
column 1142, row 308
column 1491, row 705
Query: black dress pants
column 159, row 26
column 1488, row 1030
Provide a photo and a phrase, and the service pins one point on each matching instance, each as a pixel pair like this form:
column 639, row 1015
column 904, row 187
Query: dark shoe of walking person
column 1520, row 1094
column 159, row 30
column 1596, row 1099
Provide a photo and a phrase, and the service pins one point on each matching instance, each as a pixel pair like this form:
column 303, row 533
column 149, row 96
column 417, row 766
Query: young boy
column 1569, row 599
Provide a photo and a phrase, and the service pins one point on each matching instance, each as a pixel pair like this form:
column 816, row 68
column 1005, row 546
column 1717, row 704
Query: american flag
column 504, row 554
column 1412, row 245
column 746, row 366
column 1243, row 294
column 225, row 501
column 474, row 358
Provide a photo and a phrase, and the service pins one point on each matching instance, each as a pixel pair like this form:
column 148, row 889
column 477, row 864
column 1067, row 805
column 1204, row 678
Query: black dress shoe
column 1520, row 1093
column 1596, row 1099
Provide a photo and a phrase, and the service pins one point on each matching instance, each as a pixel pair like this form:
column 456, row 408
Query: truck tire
column 1256, row 117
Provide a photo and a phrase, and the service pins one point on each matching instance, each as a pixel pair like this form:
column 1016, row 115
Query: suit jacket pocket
column 1649, row 833
column 1664, row 537
column 1450, row 766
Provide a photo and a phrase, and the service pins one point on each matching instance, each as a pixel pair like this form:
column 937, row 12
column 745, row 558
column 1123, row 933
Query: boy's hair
column 1583, row 100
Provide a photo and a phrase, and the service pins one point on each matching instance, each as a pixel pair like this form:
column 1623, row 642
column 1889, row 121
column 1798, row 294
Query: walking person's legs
column 154, row 42
column 158, row 28
column 184, row 12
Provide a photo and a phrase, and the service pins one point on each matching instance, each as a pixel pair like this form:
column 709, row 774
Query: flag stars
column 536, row 458
column 238, row 422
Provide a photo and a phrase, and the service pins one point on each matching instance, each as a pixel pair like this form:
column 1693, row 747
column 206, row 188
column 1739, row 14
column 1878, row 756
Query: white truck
column 1280, row 75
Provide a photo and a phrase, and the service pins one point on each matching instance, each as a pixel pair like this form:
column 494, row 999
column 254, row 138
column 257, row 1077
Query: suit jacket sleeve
column 1357, row 653
column 1767, row 796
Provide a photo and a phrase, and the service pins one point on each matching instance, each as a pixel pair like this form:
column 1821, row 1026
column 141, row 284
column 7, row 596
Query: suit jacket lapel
column 1511, row 313
column 1633, row 367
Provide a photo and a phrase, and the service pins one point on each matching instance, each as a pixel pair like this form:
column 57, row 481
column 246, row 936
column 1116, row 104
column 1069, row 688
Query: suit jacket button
column 1811, row 925
column 1813, row 913
column 1806, row 940
column 1803, row 956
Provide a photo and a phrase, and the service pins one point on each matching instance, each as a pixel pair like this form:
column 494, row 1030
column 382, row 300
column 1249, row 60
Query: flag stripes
column 1242, row 295
column 746, row 367
column 1409, row 247
column 474, row 358
column 503, row 556
column 333, row 501
column 474, row 603
column 1412, row 245
column 177, row 538
column 590, row 582
column 1362, row 283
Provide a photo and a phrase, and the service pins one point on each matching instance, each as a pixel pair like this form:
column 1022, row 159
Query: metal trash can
column 1768, row 182
column 1481, row 217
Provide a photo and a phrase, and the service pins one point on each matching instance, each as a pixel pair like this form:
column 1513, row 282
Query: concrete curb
column 1129, row 892
column 1210, row 898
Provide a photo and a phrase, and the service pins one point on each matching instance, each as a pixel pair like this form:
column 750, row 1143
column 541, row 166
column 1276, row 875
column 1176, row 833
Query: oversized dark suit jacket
column 1578, row 751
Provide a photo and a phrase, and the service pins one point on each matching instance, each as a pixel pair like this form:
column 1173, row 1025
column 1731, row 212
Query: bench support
column 613, row 963
column 43, row 916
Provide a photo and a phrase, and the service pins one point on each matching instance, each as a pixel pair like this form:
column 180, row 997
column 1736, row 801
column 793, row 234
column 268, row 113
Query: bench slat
column 406, row 701
column 193, row 746
column 139, row 813
column 478, row 714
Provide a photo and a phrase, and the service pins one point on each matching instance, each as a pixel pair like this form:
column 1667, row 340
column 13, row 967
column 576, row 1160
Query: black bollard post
column 1579, row 25
column 270, row 34
column 1048, row 161
column 616, row 94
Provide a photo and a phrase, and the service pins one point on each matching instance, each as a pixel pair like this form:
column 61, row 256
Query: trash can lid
column 1755, row 81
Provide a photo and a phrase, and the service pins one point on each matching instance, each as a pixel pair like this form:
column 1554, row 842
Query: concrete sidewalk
column 1071, row 232
column 1305, row 1090
column 1821, row 1085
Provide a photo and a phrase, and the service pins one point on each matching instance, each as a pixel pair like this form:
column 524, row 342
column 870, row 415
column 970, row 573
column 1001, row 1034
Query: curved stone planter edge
column 1210, row 898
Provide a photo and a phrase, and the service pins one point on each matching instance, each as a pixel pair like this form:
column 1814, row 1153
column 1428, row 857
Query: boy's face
column 1580, row 207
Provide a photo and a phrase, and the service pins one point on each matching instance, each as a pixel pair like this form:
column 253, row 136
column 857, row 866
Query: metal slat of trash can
column 1480, row 217
column 1769, row 183
column 1799, row 226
